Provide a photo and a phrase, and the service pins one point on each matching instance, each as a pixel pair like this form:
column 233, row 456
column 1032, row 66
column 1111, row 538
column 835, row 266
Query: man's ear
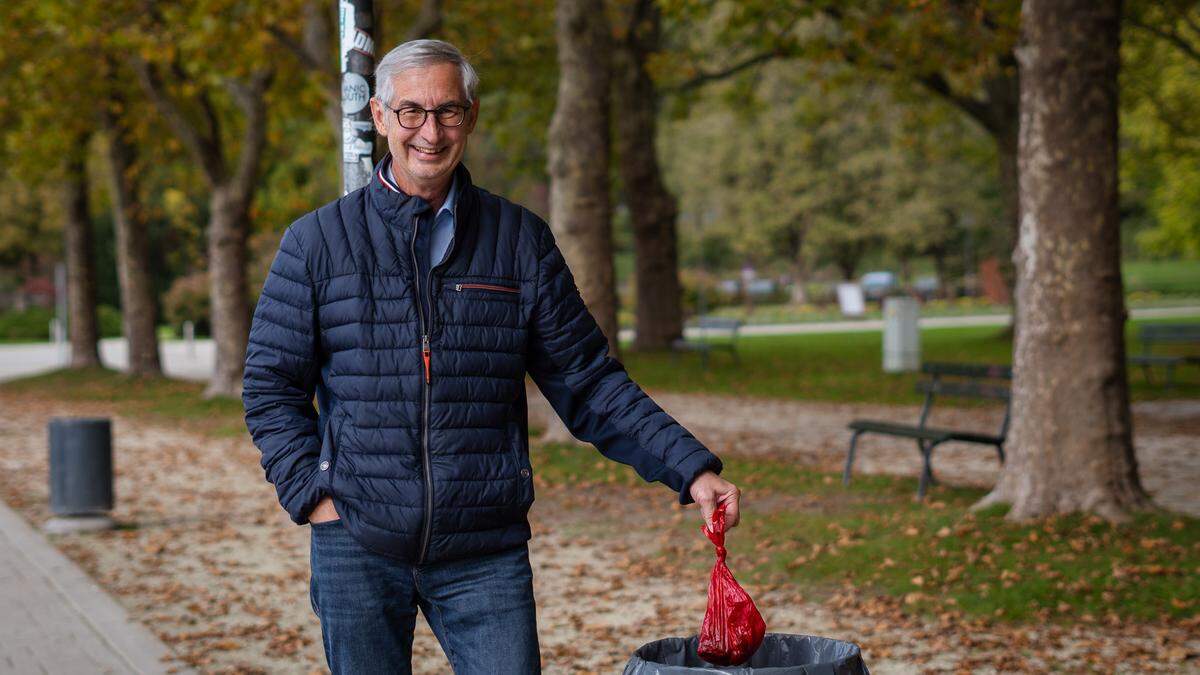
column 379, row 116
column 472, row 116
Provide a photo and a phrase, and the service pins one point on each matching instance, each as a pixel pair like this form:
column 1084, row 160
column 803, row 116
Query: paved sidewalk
column 54, row 619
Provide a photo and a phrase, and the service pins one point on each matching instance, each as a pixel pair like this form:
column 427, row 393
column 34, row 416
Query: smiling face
column 423, row 159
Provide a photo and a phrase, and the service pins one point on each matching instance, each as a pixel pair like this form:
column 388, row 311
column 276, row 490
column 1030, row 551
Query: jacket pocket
column 495, row 288
column 330, row 440
column 524, row 475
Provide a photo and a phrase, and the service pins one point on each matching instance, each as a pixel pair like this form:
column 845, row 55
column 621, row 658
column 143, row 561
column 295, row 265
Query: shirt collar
column 447, row 204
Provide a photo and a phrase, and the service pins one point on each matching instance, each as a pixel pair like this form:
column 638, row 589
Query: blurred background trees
column 812, row 141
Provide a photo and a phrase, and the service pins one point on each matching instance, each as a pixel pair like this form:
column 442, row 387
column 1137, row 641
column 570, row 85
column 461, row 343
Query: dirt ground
column 207, row 558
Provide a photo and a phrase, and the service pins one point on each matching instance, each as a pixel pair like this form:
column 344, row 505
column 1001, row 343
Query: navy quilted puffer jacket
column 422, row 433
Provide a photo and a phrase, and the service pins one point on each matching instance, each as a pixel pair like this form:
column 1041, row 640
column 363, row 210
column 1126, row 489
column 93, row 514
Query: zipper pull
column 425, row 353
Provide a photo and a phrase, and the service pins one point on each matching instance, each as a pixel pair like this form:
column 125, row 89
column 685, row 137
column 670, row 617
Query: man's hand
column 323, row 511
column 708, row 490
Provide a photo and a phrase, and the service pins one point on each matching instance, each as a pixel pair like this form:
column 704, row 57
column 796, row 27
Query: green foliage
column 188, row 300
column 1160, row 163
column 30, row 325
column 33, row 324
column 814, row 168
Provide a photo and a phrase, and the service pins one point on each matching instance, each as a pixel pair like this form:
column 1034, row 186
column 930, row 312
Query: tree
column 959, row 51
column 40, row 69
column 185, row 92
column 652, row 208
column 1070, row 447
column 81, row 274
column 139, row 316
column 580, row 211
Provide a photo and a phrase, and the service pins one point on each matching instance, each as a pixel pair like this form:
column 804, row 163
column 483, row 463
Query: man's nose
column 431, row 130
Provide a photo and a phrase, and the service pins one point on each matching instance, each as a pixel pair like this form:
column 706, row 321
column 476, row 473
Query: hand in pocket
column 323, row 512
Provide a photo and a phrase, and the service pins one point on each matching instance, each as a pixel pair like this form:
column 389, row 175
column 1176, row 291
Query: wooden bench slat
column 964, row 389
column 973, row 370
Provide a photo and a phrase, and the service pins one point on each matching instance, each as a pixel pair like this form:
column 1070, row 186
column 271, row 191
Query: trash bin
column 81, row 474
column 780, row 654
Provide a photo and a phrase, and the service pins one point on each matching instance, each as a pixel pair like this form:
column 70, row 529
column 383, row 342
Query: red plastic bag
column 733, row 629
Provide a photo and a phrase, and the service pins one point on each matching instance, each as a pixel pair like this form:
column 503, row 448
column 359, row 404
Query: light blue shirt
column 443, row 221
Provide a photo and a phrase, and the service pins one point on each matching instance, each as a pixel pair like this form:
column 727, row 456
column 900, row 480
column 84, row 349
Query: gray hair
column 418, row 54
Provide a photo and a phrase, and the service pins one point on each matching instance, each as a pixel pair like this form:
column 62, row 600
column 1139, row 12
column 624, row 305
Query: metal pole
column 356, row 24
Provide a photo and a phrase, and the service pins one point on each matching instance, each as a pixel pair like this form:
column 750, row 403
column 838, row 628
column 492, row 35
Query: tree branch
column 205, row 150
column 250, row 97
column 978, row 110
column 1171, row 37
column 704, row 78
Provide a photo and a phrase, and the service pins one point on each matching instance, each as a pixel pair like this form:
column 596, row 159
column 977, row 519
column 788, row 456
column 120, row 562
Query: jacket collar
column 398, row 208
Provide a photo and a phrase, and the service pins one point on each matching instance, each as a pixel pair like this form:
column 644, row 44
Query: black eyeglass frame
column 425, row 114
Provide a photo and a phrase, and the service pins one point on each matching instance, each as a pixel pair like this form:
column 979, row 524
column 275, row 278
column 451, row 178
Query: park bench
column 709, row 326
column 962, row 380
column 1151, row 335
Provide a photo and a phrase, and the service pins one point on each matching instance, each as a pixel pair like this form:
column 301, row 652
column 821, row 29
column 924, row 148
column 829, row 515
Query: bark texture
column 652, row 208
column 580, row 207
column 82, row 325
column 1070, row 447
column 138, row 311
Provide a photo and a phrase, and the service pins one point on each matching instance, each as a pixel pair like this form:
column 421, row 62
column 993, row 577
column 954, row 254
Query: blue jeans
column 481, row 609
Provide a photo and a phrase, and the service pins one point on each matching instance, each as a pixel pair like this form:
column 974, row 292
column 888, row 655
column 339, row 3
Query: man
column 413, row 308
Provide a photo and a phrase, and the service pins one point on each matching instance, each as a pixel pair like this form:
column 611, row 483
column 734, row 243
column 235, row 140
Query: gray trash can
column 81, row 474
column 779, row 654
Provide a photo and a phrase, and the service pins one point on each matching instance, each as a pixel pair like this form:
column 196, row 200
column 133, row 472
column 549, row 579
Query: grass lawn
column 1166, row 277
column 847, row 366
column 803, row 528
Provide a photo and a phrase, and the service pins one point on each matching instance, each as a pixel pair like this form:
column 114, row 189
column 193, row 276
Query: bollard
column 81, row 476
column 189, row 336
column 901, row 335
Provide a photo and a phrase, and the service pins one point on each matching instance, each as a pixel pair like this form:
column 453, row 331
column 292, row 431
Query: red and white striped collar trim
column 383, row 179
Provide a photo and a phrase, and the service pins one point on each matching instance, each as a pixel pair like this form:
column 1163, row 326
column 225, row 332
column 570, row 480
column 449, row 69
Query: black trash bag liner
column 780, row 654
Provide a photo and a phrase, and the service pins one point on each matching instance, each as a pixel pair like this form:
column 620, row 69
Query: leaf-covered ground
column 208, row 560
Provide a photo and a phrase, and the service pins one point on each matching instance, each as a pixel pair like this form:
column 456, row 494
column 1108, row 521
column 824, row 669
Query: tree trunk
column 652, row 208
column 230, row 304
column 1071, row 446
column 138, row 315
column 83, row 328
column 580, row 210
column 229, row 206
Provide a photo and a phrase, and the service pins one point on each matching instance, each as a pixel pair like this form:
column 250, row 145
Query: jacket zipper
column 489, row 287
column 425, row 356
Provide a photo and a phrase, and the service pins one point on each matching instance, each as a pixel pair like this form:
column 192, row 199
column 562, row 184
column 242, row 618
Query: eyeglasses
column 413, row 117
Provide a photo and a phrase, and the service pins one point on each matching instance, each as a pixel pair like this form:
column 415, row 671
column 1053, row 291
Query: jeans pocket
column 326, row 523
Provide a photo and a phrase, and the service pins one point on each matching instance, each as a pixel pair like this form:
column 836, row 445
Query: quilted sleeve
column 591, row 391
column 279, row 380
